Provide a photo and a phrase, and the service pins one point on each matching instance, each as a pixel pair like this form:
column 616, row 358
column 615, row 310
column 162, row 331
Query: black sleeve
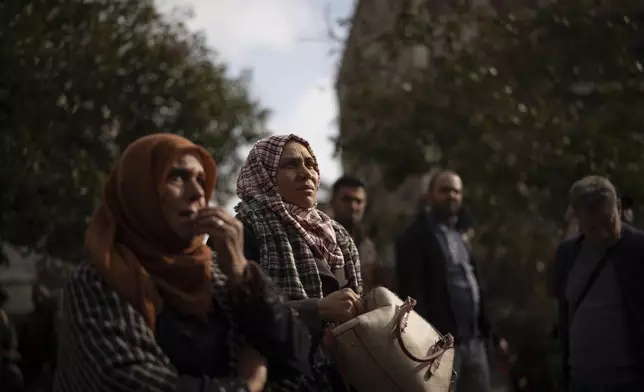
column 251, row 246
column 307, row 309
column 409, row 271
column 407, row 267
column 270, row 324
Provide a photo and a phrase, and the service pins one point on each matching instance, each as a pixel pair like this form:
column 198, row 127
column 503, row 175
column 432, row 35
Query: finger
column 210, row 223
column 349, row 293
column 206, row 212
column 216, row 212
column 229, row 220
column 358, row 306
column 224, row 215
column 346, row 292
column 348, row 306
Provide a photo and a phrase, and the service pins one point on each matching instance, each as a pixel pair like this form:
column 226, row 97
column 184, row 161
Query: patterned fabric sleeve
column 270, row 325
column 105, row 345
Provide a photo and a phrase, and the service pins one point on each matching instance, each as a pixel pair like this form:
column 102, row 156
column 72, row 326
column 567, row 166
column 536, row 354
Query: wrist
column 322, row 311
column 237, row 269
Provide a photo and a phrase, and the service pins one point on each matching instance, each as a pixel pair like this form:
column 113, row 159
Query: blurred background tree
column 522, row 101
column 79, row 81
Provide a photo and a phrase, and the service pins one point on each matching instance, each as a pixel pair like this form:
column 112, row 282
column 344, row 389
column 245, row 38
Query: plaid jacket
column 105, row 344
column 288, row 259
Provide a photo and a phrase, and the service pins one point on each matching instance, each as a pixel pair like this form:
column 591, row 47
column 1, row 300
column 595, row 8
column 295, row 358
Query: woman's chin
column 308, row 202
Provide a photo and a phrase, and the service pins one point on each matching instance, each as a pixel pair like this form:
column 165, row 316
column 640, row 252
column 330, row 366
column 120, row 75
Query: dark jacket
column 306, row 308
column 629, row 268
column 421, row 269
column 308, row 311
column 10, row 375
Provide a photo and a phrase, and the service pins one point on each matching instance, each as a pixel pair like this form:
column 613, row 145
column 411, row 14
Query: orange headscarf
column 132, row 244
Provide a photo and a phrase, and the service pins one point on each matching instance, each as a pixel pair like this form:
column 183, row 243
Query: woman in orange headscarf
column 153, row 309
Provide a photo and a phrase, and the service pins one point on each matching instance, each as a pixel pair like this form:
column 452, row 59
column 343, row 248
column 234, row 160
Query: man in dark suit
column 599, row 285
column 435, row 266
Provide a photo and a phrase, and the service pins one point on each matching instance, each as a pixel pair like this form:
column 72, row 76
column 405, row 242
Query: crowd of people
column 179, row 295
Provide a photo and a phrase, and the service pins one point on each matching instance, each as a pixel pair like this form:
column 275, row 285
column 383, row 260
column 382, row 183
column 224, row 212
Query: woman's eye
column 174, row 178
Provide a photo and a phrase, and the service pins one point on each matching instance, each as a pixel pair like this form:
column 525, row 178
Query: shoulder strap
column 591, row 281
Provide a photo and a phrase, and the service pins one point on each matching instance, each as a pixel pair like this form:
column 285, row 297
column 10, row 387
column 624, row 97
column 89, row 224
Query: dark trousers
column 471, row 366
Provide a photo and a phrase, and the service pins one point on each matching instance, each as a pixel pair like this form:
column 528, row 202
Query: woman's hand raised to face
column 227, row 236
column 340, row 306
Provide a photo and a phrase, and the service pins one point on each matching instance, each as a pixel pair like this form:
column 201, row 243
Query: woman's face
column 297, row 177
column 184, row 195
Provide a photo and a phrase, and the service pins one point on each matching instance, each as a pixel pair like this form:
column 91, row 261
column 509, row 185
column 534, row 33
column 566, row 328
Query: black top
column 199, row 349
column 628, row 257
column 195, row 348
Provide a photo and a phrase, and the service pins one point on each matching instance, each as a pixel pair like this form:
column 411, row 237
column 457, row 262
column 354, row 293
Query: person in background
column 348, row 202
column 627, row 206
column 11, row 379
column 435, row 265
column 465, row 225
column 38, row 341
column 311, row 257
column 598, row 286
column 154, row 308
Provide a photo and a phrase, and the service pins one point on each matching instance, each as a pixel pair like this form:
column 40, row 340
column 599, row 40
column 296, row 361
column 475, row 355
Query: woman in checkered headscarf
column 308, row 255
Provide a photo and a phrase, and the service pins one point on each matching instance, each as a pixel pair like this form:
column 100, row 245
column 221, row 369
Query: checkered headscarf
column 257, row 181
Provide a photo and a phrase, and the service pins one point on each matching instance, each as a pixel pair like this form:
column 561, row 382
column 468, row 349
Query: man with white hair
column 599, row 284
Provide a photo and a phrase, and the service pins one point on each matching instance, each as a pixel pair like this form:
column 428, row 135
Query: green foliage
column 536, row 99
column 80, row 80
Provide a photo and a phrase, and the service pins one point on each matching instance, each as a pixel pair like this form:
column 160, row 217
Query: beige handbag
column 390, row 348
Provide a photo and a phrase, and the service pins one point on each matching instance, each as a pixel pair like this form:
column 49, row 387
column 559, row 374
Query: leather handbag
column 390, row 348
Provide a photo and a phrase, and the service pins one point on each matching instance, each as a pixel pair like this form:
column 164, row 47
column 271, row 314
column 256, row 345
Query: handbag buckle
column 452, row 383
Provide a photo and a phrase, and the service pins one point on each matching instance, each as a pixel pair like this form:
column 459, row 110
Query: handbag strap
column 599, row 267
column 438, row 349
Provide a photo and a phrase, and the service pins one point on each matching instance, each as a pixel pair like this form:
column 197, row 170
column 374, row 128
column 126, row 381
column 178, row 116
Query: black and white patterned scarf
column 287, row 258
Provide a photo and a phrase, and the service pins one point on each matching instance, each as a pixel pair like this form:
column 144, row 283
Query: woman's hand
column 227, row 236
column 252, row 368
column 340, row 306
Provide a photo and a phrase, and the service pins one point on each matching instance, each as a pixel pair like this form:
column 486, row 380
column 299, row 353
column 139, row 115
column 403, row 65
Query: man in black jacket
column 435, row 266
column 599, row 280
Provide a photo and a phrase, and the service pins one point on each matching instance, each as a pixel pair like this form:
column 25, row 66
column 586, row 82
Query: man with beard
column 348, row 202
column 435, row 266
